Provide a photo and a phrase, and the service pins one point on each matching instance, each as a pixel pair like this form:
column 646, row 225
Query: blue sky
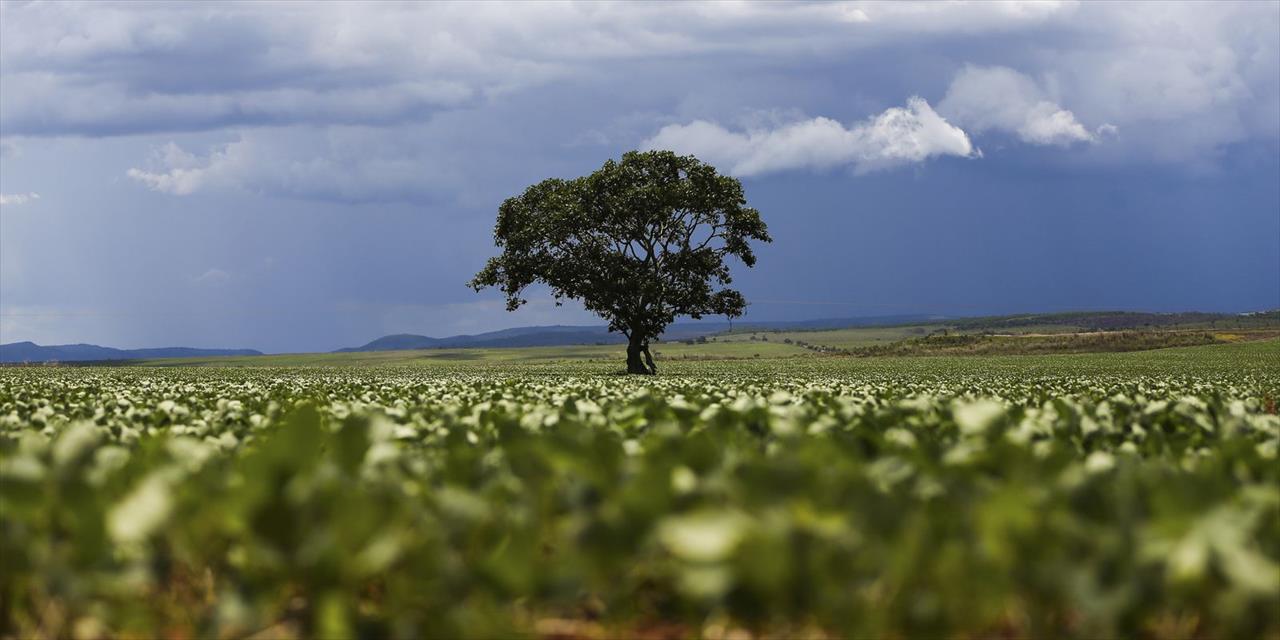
column 295, row 177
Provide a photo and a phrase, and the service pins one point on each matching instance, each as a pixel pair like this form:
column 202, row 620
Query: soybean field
column 1075, row 496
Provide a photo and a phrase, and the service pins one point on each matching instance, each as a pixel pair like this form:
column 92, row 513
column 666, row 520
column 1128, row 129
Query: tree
column 639, row 242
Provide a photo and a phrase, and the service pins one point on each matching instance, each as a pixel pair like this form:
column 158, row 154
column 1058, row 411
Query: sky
column 304, row 177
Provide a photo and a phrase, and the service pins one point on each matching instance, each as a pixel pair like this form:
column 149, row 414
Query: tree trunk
column 635, row 360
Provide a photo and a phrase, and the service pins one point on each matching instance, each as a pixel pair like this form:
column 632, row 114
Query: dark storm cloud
column 109, row 69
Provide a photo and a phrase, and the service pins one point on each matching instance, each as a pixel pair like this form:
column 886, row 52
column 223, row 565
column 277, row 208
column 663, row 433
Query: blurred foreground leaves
column 387, row 503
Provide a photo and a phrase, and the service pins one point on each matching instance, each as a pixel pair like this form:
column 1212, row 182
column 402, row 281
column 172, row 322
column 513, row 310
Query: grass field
column 838, row 338
column 532, row 493
column 872, row 341
column 1027, row 334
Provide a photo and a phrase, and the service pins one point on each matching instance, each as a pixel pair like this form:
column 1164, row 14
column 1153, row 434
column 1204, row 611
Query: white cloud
column 212, row 278
column 342, row 164
column 897, row 137
column 1047, row 123
column 14, row 199
column 183, row 173
column 999, row 98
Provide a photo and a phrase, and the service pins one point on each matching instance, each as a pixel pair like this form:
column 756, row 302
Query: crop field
column 575, row 355
column 1074, row 496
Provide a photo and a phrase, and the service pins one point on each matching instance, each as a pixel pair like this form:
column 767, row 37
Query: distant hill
column 565, row 335
column 518, row 337
column 31, row 352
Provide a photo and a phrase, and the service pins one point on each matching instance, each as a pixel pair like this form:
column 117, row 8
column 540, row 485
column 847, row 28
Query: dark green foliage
column 1119, row 320
column 982, row 345
column 639, row 242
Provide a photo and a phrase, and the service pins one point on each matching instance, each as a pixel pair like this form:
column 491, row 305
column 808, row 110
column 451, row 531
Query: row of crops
column 722, row 500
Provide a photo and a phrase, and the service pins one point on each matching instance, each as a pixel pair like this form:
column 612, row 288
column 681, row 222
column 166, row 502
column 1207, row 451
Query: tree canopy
column 639, row 241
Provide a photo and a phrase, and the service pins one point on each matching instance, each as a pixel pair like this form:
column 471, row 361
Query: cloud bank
column 897, row 137
column 103, row 68
column 276, row 86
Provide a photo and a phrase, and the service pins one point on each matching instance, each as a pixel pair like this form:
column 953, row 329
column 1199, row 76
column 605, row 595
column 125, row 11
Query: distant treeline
column 1118, row 320
column 1103, row 341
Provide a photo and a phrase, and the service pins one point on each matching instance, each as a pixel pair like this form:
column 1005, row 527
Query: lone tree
column 638, row 242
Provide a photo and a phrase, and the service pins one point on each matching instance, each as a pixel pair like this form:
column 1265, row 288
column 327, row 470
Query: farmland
column 411, row 495
column 1000, row 336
